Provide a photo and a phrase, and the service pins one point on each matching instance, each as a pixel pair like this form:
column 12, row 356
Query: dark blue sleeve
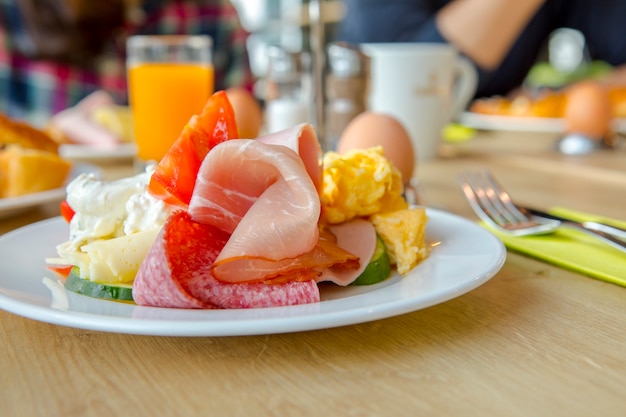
column 414, row 21
column 391, row 21
column 396, row 21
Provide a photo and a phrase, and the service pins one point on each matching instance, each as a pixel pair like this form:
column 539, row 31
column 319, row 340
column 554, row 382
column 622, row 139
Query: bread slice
column 25, row 135
column 25, row 171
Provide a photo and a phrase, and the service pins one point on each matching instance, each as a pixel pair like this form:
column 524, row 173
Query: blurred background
column 254, row 39
column 285, row 24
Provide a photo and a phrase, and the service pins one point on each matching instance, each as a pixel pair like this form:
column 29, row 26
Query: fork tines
column 491, row 202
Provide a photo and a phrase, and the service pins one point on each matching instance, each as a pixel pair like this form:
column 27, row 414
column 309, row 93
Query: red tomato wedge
column 175, row 175
column 62, row 270
column 67, row 212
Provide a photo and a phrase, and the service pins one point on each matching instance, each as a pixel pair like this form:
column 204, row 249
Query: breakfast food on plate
column 25, row 171
column 29, row 162
column 222, row 222
column 177, row 273
column 360, row 183
column 547, row 104
column 116, row 119
column 404, row 233
column 95, row 121
column 550, row 103
column 27, row 136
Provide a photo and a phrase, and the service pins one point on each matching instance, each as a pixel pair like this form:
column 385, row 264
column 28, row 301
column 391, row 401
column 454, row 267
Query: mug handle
column 465, row 88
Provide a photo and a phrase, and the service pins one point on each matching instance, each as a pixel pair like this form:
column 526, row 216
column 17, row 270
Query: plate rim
column 282, row 323
column 522, row 123
column 93, row 153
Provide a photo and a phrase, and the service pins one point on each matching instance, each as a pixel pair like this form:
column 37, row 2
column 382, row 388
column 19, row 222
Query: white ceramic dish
column 464, row 256
column 522, row 124
column 13, row 205
column 91, row 153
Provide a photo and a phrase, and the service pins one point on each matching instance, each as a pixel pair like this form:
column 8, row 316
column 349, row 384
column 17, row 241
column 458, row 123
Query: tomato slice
column 62, row 270
column 67, row 212
column 175, row 175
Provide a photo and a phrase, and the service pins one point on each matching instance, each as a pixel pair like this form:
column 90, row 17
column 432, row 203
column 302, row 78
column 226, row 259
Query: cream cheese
column 109, row 209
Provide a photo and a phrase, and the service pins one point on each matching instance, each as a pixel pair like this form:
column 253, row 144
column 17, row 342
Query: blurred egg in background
column 248, row 113
column 370, row 129
column 588, row 110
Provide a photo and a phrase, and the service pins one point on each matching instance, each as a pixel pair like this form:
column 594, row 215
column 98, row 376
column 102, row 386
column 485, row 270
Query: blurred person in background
column 502, row 37
column 53, row 53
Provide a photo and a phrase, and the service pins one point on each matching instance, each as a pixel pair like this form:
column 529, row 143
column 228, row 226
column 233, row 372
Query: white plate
column 463, row 257
column 522, row 124
column 13, row 205
column 92, row 153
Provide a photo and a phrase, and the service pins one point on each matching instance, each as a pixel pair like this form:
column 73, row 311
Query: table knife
column 615, row 231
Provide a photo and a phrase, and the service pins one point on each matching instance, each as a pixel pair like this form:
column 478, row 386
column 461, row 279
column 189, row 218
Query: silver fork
column 494, row 205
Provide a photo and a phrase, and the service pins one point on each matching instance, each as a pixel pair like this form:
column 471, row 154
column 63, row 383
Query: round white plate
column 92, row 153
column 13, row 205
column 464, row 256
column 522, row 124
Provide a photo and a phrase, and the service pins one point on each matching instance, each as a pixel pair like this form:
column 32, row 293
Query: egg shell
column 248, row 113
column 588, row 110
column 371, row 129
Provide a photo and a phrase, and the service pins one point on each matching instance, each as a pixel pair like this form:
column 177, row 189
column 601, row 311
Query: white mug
column 423, row 85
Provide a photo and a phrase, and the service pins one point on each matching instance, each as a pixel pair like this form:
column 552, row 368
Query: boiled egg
column 371, row 129
column 588, row 109
column 248, row 113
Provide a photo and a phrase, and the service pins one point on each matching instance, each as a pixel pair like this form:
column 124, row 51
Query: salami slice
column 182, row 250
column 176, row 273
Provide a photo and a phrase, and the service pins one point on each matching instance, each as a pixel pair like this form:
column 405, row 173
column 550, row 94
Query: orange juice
column 163, row 97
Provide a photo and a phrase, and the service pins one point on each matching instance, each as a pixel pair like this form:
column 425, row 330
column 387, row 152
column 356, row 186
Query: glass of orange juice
column 170, row 78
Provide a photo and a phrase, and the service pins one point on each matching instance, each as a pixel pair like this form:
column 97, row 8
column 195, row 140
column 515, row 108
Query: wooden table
column 535, row 340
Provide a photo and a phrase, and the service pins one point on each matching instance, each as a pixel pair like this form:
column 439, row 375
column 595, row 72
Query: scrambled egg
column 403, row 233
column 359, row 183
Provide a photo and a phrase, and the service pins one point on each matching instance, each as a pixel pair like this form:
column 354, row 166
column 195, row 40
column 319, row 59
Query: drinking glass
column 170, row 78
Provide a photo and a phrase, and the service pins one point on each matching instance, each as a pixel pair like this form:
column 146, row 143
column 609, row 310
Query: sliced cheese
column 114, row 260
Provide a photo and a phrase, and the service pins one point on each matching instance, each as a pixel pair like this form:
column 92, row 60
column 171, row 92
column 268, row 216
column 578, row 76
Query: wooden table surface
column 535, row 340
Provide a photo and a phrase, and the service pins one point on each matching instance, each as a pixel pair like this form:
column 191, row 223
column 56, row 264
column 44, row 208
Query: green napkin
column 574, row 250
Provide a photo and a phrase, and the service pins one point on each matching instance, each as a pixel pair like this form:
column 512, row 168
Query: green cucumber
column 106, row 291
column 379, row 267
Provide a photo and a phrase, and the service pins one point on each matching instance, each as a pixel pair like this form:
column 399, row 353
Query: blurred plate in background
column 522, row 124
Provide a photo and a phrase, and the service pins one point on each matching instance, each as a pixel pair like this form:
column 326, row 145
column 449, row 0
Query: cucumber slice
column 379, row 267
column 116, row 292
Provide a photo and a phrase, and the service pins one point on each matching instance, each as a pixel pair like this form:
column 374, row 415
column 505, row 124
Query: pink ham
column 303, row 140
column 358, row 237
column 263, row 196
column 76, row 125
column 177, row 273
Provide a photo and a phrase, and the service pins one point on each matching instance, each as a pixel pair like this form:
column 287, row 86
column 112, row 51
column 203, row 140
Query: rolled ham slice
column 302, row 139
column 263, row 196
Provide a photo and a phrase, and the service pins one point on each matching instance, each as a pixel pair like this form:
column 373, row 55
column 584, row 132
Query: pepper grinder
column 288, row 89
column 347, row 86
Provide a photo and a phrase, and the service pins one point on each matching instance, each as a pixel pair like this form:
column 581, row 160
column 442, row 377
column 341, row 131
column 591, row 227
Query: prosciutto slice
column 302, row 140
column 177, row 273
column 263, row 196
